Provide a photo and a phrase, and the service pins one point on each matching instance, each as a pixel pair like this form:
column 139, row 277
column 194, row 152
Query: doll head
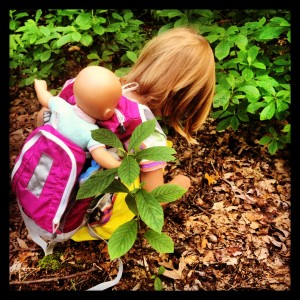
column 97, row 91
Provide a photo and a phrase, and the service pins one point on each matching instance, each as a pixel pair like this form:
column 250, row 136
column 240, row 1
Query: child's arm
column 104, row 158
column 155, row 178
column 42, row 93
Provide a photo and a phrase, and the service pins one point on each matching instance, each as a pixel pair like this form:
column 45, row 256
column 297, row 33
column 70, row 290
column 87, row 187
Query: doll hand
column 40, row 84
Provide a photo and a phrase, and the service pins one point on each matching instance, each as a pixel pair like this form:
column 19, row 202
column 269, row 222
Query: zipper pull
column 121, row 120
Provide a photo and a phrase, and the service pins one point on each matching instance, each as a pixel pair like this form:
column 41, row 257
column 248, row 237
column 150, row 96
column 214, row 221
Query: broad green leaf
column 273, row 147
column 157, row 153
column 241, row 41
column 158, row 284
column 222, row 125
column 130, row 201
column 251, row 92
column 168, row 192
column 116, row 186
column 140, row 133
column 129, row 170
column 45, row 56
column 96, row 184
column 86, row 40
column 267, row 85
column 222, row 98
column 270, row 33
column 100, row 30
column 122, row 239
column 234, row 123
column 106, row 137
column 161, row 242
column 243, row 116
column 265, row 140
column 281, row 105
column 259, row 65
column 84, row 21
column 132, row 56
column 268, row 112
column 252, row 54
column 76, row 36
column 247, row 74
column 222, row 50
column 221, row 114
column 150, row 210
column 64, row 40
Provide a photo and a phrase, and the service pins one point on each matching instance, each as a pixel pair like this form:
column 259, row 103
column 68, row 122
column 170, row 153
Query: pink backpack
column 44, row 179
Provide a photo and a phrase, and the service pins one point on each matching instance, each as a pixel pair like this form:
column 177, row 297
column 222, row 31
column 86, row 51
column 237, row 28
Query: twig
column 54, row 278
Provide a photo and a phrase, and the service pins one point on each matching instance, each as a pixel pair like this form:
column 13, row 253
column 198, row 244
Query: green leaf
column 150, row 210
column 161, row 242
column 268, row 112
column 129, row 170
column 96, row 184
column 259, row 65
column 270, row 33
column 241, row 41
column 222, row 98
column 158, row 284
column 84, row 21
column 116, row 186
column 130, row 201
column 247, row 74
column 222, row 125
column 265, row 140
column 132, row 56
column 253, row 107
column 251, row 92
column 64, row 40
column 273, row 147
column 222, row 50
column 157, row 153
column 86, row 40
column 140, row 133
column 252, row 54
column 168, row 192
column 234, row 123
column 281, row 105
column 106, row 137
column 45, row 56
column 76, row 36
column 122, row 239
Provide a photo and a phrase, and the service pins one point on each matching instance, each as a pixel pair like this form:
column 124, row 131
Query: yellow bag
column 120, row 215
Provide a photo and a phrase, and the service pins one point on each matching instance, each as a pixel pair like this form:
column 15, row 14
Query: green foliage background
column 251, row 46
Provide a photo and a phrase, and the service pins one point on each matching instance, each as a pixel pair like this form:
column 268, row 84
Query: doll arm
column 104, row 158
column 42, row 93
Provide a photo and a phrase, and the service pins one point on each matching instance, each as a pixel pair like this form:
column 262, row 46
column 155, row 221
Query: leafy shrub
column 252, row 50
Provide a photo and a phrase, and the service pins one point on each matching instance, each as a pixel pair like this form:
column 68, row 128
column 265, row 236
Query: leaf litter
column 231, row 230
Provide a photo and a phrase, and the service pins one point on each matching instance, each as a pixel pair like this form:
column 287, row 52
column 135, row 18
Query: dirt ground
column 232, row 229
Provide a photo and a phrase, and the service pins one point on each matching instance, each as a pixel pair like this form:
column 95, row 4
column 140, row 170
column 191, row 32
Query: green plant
column 157, row 281
column 145, row 205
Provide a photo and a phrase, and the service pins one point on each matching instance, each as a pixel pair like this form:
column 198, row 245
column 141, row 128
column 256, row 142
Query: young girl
column 174, row 78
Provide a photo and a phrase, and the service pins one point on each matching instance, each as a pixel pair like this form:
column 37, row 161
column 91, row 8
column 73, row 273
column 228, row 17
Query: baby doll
column 97, row 91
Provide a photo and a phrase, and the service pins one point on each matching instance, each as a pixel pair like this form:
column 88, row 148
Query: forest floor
column 231, row 230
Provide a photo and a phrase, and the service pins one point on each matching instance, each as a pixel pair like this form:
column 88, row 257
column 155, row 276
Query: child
column 174, row 78
column 97, row 91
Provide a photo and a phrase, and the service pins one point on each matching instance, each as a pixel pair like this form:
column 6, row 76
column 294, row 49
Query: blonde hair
column 176, row 75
